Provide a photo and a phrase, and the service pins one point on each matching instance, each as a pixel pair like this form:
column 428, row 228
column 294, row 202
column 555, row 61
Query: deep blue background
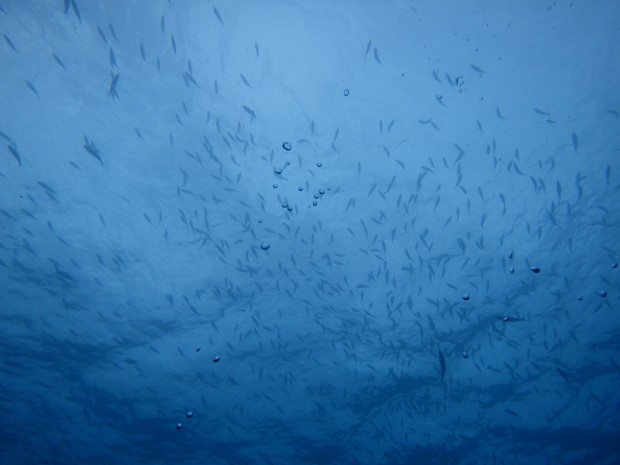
column 148, row 208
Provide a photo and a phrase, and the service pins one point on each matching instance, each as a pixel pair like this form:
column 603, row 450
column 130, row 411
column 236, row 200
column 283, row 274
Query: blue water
column 309, row 232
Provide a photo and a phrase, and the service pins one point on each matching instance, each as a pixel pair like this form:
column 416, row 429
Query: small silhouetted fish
column 32, row 88
column 245, row 81
column 15, row 153
column 376, row 54
column 477, row 69
column 217, row 15
column 512, row 412
column 511, row 319
column 76, row 10
column 112, row 92
column 250, row 112
column 575, row 142
column 90, row 147
column 59, row 61
column 442, row 365
column 10, row 42
column 46, row 187
column 564, row 375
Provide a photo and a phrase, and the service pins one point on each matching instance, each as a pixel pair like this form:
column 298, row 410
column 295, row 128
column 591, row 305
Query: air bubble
column 287, row 146
column 265, row 245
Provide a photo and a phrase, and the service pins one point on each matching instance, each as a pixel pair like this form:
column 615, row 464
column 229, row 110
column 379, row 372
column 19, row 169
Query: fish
column 575, row 142
column 442, row 365
column 102, row 34
column 112, row 92
column 112, row 59
column 46, row 187
column 250, row 112
column 112, row 31
column 376, row 55
column 76, row 10
column 32, row 88
column 512, row 412
column 245, row 81
column 564, row 375
column 59, row 61
column 15, row 154
column 217, row 15
column 10, row 42
column 90, row 147
column 477, row 69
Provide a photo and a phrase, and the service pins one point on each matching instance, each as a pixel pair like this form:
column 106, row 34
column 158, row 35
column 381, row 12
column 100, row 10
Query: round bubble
column 465, row 296
column 275, row 186
column 300, row 188
column 465, row 355
column 346, row 92
column 287, row 146
column 265, row 245
column 288, row 162
column 179, row 425
column 314, row 202
column 277, row 170
column 260, row 221
column 316, row 196
column 321, row 191
column 284, row 205
column 189, row 414
column 319, row 164
column 198, row 349
column 216, row 359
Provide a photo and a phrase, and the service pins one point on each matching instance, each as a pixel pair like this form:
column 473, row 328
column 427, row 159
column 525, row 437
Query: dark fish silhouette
column 442, row 365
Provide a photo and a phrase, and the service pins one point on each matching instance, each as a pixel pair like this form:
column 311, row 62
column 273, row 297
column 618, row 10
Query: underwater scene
column 300, row 232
